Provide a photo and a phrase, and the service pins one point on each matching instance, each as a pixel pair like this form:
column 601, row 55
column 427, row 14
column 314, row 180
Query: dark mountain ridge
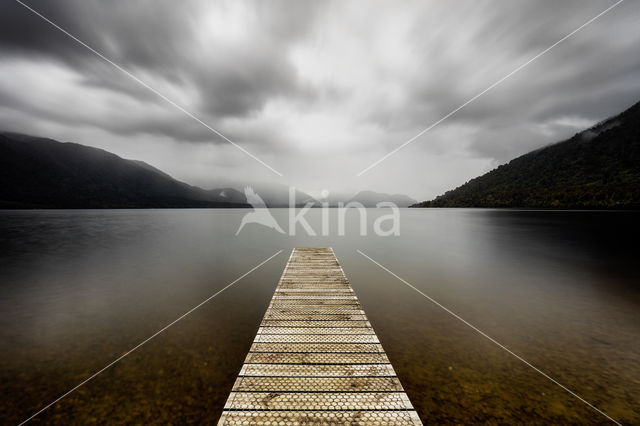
column 44, row 173
column 598, row 168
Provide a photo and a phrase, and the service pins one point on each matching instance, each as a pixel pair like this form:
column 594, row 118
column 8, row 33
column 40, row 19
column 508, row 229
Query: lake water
column 561, row 289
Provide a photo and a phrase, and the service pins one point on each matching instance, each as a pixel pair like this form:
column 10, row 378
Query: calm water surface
column 80, row 288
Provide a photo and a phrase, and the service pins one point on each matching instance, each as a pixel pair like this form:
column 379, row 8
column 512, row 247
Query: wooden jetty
column 316, row 358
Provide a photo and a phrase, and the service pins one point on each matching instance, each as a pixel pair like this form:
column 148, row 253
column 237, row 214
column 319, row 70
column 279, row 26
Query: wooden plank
column 317, row 347
column 317, row 384
column 298, row 323
column 309, row 401
column 316, row 330
column 317, row 370
column 316, row 338
column 320, row 417
column 316, row 358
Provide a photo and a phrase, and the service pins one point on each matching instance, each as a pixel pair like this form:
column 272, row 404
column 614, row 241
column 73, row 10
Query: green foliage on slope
column 597, row 168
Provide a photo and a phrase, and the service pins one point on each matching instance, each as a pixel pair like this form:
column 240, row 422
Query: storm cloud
column 318, row 90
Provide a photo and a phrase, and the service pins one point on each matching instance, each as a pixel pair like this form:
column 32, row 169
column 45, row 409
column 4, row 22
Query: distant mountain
column 371, row 199
column 334, row 198
column 277, row 195
column 597, row 168
column 228, row 195
column 43, row 173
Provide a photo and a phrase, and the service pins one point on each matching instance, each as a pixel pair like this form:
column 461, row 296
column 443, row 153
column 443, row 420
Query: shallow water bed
column 79, row 288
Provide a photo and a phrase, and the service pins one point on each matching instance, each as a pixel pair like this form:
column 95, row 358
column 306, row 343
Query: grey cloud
column 161, row 39
column 591, row 75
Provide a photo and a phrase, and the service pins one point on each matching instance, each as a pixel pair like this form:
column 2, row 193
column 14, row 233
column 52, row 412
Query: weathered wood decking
column 316, row 359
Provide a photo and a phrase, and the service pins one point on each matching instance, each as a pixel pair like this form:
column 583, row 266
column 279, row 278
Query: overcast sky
column 318, row 90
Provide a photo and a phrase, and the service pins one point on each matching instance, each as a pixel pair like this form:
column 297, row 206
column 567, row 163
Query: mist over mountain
column 229, row 195
column 596, row 168
column 43, row 173
column 38, row 172
column 371, row 199
column 278, row 195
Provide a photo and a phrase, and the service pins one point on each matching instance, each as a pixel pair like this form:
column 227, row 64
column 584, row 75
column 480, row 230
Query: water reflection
column 81, row 287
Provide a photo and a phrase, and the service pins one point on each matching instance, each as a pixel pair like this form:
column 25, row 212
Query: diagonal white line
column 148, row 339
column 141, row 82
column 489, row 88
column 500, row 345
